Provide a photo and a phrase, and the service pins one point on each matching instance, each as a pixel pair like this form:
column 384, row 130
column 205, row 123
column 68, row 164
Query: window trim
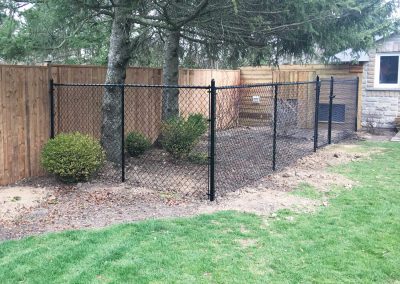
column 377, row 71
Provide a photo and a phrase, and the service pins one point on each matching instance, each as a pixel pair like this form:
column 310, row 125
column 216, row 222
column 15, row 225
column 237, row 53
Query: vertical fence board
column 33, row 123
column 3, row 178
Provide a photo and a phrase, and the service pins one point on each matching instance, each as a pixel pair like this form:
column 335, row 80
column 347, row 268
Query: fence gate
column 337, row 114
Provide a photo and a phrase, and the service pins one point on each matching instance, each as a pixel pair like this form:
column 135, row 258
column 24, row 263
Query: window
column 338, row 113
column 387, row 71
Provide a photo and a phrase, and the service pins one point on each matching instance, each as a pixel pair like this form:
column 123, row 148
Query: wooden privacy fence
column 24, row 121
column 25, row 105
column 78, row 108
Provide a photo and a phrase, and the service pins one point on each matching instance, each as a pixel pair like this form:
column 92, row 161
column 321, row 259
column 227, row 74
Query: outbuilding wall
column 380, row 106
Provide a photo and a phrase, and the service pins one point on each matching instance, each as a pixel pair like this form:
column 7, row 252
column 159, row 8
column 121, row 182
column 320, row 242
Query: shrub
column 72, row 157
column 136, row 144
column 179, row 136
column 198, row 158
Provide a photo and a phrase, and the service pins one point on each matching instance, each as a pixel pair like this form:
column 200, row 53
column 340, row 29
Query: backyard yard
column 138, row 147
column 344, row 228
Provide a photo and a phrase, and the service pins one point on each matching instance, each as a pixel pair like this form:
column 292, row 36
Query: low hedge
column 72, row 157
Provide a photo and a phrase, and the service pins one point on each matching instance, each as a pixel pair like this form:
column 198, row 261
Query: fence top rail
column 131, row 86
column 337, row 80
column 341, row 80
column 266, row 85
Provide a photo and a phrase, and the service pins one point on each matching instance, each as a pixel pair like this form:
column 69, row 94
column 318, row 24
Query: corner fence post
column 331, row 97
column 123, row 133
column 213, row 103
column 357, row 98
column 275, row 127
column 51, row 95
column 316, row 111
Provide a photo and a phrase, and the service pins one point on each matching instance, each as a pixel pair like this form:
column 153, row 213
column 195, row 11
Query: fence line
column 287, row 123
column 24, row 103
column 296, row 118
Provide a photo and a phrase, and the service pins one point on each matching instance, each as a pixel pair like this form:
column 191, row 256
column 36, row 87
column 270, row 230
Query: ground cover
column 353, row 239
column 97, row 203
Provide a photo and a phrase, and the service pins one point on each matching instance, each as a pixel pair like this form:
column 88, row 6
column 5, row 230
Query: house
column 381, row 82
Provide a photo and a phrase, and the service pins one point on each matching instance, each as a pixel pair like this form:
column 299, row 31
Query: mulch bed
column 243, row 155
column 157, row 186
column 91, row 205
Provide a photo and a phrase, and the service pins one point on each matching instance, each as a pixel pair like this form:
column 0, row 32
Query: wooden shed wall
column 250, row 112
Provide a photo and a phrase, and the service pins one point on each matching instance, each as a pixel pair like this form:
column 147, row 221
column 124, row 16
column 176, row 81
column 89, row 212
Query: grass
column 353, row 240
column 307, row 190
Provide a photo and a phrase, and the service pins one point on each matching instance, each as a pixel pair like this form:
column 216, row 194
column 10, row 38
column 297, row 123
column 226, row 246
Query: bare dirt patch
column 261, row 201
column 53, row 207
column 272, row 193
column 15, row 200
column 379, row 135
column 313, row 169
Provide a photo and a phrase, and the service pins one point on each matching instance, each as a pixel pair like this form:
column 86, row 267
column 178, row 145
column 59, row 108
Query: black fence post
column 123, row 133
column 330, row 114
column 275, row 127
column 316, row 118
column 213, row 104
column 357, row 91
column 51, row 95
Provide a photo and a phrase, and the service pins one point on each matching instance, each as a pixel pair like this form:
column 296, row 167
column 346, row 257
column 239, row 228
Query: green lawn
column 355, row 239
column 308, row 191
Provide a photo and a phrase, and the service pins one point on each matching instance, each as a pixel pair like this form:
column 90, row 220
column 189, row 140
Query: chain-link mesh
column 337, row 110
column 259, row 128
column 344, row 110
column 295, row 115
column 156, row 169
column 245, row 149
column 244, row 144
column 78, row 108
column 323, row 112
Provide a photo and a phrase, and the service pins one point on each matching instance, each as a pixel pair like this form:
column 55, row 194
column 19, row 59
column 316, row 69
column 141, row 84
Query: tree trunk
column 170, row 100
column 118, row 58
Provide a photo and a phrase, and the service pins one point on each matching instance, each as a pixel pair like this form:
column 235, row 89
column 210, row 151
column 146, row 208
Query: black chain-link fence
column 78, row 108
column 337, row 113
column 277, row 124
column 244, row 151
column 250, row 130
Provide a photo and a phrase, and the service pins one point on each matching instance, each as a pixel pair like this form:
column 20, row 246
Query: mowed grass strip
column 356, row 239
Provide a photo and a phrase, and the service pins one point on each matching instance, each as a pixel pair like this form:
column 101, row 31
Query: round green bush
column 136, row 144
column 72, row 157
column 180, row 135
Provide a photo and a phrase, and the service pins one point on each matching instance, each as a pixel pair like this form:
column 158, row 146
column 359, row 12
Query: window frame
column 377, row 84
